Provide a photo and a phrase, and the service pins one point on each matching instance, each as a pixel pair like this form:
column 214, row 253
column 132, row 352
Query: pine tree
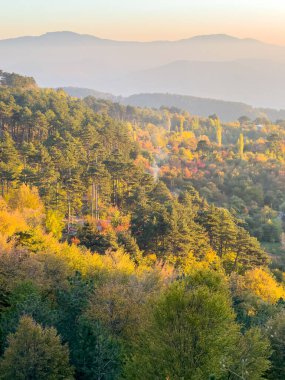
column 96, row 354
column 10, row 163
column 276, row 333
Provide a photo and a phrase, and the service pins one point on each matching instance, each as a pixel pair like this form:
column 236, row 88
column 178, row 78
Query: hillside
column 129, row 235
column 240, row 80
column 84, row 92
column 227, row 111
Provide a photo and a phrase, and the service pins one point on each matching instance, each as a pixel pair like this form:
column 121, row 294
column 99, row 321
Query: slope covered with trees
column 125, row 254
column 227, row 110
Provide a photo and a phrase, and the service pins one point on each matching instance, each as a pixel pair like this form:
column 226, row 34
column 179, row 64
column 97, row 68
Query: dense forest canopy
column 138, row 243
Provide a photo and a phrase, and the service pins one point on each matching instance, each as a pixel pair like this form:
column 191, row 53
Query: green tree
column 90, row 236
column 247, row 252
column 190, row 332
column 24, row 299
column 251, row 357
column 16, row 80
column 35, row 353
column 96, row 355
column 276, row 334
column 10, row 163
column 221, row 228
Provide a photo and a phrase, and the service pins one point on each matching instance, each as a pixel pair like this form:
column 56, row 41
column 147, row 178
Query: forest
column 138, row 243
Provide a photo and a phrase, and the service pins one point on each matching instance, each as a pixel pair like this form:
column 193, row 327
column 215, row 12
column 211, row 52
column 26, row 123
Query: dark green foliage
column 93, row 351
column 276, row 334
column 61, row 146
column 96, row 354
column 72, row 303
column 26, row 299
column 91, row 238
column 251, row 311
column 226, row 236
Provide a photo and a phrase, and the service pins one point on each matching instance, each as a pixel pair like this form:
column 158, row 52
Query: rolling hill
column 226, row 110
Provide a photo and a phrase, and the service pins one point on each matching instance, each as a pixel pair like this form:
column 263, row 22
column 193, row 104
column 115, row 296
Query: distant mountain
column 260, row 82
column 227, row 111
column 217, row 66
column 82, row 93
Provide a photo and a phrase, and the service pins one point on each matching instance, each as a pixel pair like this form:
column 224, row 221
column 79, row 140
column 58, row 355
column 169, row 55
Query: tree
column 251, row 357
column 24, row 299
column 203, row 146
column 190, row 332
column 96, row 354
column 35, row 353
column 16, row 80
column 276, row 334
column 97, row 241
column 10, row 163
column 243, row 119
column 54, row 223
column 247, row 252
column 215, row 121
column 262, row 283
column 241, row 145
column 221, row 228
column 27, row 200
column 219, row 133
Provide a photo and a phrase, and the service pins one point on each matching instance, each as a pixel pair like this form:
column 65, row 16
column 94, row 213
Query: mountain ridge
column 215, row 66
column 203, row 107
column 202, row 37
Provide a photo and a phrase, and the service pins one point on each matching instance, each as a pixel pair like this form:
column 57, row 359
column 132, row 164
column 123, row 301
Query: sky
column 146, row 20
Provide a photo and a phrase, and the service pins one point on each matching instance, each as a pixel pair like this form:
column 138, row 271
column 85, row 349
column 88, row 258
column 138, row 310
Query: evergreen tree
column 96, row 354
column 10, row 163
column 276, row 334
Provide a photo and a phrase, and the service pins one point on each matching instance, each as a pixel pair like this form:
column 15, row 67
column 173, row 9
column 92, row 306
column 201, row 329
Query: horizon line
column 225, row 35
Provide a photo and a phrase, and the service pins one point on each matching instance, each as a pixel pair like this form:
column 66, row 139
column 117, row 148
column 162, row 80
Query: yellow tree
column 241, row 145
column 219, row 132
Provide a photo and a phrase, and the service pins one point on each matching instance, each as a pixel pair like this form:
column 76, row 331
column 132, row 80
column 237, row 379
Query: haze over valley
column 214, row 66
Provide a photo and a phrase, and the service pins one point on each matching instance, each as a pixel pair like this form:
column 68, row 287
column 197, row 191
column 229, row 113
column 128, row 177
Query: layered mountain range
column 214, row 66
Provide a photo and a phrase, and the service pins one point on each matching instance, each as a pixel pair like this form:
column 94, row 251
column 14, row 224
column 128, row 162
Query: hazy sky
column 145, row 19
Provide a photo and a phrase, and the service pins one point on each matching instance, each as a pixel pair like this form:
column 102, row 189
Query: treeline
column 61, row 146
column 16, row 80
column 227, row 110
